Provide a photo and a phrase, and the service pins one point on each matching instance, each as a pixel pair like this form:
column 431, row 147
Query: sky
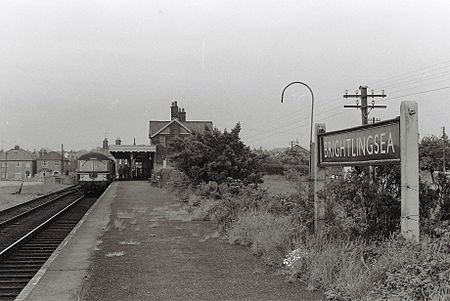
column 73, row 72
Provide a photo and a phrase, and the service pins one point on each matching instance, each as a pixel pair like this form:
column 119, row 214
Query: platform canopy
column 132, row 148
column 138, row 151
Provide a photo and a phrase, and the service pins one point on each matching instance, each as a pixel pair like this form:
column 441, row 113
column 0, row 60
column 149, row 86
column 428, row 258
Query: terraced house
column 17, row 164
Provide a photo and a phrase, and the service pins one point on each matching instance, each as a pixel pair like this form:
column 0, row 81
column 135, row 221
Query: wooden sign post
column 387, row 142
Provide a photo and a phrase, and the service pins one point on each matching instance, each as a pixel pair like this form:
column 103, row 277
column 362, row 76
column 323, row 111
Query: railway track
column 10, row 215
column 28, row 241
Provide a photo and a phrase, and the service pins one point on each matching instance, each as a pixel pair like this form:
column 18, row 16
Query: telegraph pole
column 364, row 107
column 443, row 149
column 62, row 159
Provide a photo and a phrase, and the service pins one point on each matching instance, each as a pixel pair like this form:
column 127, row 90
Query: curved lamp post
column 312, row 115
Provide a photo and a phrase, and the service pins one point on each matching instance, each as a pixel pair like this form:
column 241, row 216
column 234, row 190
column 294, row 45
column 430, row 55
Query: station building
column 161, row 132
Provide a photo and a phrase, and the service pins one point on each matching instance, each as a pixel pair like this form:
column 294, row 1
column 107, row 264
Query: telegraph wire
column 403, row 81
column 416, row 80
column 289, row 126
column 278, row 130
column 419, row 86
column 421, row 92
column 414, row 72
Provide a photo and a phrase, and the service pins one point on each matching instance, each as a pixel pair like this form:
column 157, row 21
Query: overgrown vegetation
column 359, row 256
column 215, row 156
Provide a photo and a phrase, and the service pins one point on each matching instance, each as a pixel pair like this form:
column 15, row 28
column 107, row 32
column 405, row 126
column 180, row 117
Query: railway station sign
column 377, row 143
column 390, row 141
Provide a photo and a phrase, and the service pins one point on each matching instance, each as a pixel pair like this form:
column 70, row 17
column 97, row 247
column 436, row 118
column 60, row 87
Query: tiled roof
column 16, row 155
column 198, row 126
column 156, row 125
column 52, row 155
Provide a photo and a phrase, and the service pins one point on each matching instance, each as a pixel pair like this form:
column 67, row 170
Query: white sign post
column 409, row 162
column 319, row 182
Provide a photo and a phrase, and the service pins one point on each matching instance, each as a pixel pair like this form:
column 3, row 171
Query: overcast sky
column 71, row 71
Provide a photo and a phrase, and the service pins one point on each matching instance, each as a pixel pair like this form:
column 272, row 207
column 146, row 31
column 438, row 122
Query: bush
column 215, row 156
column 363, row 205
column 332, row 265
column 267, row 235
column 390, row 270
column 224, row 213
column 176, row 182
column 201, row 211
column 273, row 168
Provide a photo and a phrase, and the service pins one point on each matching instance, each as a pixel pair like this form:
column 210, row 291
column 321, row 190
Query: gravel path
column 152, row 251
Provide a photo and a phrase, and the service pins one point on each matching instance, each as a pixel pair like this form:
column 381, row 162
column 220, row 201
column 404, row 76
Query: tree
column 215, row 156
column 431, row 154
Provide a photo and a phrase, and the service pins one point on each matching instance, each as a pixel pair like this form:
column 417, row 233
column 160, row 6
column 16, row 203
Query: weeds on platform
column 267, row 235
column 359, row 256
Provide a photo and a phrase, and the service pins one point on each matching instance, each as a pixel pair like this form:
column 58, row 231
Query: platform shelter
column 133, row 162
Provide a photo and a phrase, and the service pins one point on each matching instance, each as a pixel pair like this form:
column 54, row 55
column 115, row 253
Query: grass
column 278, row 184
column 266, row 234
column 392, row 269
column 30, row 191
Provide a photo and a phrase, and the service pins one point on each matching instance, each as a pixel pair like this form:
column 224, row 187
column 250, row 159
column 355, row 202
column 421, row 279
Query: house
column 50, row 164
column 162, row 132
column 17, row 164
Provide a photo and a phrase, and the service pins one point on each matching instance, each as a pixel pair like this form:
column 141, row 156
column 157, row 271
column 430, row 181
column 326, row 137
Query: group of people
column 124, row 172
column 127, row 173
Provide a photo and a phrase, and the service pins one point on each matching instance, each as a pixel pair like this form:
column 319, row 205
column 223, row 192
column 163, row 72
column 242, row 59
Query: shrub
column 267, row 235
column 393, row 269
column 215, row 156
column 273, row 168
column 362, row 205
column 202, row 210
column 176, row 182
column 332, row 265
column 224, row 213
column 210, row 190
column 414, row 272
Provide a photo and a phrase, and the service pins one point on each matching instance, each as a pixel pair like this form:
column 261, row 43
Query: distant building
column 17, row 164
column 133, row 161
column 162, row 132
column 50, row 164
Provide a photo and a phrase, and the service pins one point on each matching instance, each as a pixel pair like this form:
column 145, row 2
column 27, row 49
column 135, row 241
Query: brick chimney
column 174, row 110
column 118, row 141
column 182, row 115
column 105, row 143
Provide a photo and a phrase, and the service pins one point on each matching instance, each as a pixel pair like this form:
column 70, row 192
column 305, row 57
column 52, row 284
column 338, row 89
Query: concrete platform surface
column 138, row 243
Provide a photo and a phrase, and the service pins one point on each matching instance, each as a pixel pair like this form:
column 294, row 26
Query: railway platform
column 138, row 243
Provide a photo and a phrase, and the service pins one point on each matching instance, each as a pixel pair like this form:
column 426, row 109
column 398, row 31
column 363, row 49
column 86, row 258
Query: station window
column 56, row 163
column 27, row 164
column 19, row 164
column 44, row 163
column 3, row 164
